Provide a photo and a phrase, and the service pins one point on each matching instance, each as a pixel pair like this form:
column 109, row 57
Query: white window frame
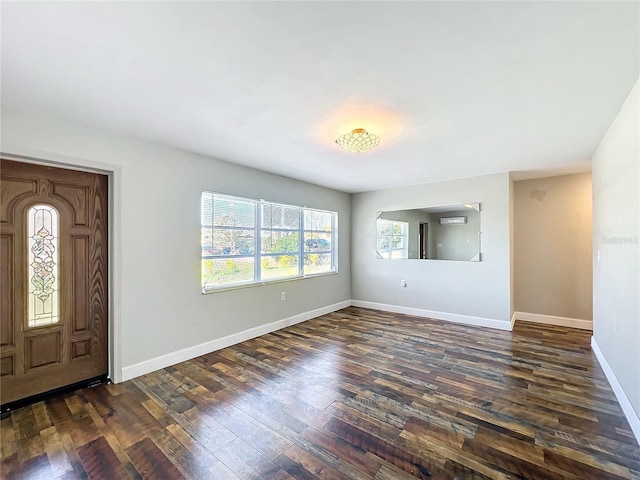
column 257, row 254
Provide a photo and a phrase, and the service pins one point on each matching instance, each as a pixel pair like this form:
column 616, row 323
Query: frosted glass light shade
column 358, row 141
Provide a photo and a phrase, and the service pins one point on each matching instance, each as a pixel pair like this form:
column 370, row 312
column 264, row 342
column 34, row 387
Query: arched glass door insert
column 42, row 263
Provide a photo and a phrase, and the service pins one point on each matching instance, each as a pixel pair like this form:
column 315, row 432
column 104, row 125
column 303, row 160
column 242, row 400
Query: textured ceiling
column 454, row 89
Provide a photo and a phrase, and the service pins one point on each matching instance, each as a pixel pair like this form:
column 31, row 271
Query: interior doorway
column 423, row 241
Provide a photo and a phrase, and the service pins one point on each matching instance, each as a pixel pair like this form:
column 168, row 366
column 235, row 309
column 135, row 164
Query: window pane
column 383, row 243
column 314, row 241
column 384, row 227
column 233, row 213
column 317, row 263
column 280, row 216
column 318, row 242
column 280, row 242
column 42, row 264
column 206, row 240
column 317, row 220
column 227, row 271
column 279, row 266
column 392, row 238
column 206, row 209
column 232, row 242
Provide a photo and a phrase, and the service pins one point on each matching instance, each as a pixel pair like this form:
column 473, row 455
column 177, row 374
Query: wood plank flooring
column 356, row 394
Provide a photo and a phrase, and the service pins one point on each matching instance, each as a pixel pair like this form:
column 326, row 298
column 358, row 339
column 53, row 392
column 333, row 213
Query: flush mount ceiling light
column 358, row 141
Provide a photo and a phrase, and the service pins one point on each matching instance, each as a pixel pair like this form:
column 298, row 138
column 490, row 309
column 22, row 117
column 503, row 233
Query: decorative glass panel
column 42, row 262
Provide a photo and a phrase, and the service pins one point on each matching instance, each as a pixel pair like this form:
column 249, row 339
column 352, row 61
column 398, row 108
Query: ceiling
column 454, row 89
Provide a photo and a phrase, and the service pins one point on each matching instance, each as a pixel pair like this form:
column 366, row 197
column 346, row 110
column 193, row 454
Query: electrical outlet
column 283, row 296
column 403, row 283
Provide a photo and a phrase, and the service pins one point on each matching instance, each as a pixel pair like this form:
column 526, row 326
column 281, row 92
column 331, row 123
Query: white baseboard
column 449, row 317
column 178, row 356
column 513, row 320
column 623, row 400
column 553, row 320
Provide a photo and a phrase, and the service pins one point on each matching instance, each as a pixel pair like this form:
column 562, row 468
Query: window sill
column 265, row 282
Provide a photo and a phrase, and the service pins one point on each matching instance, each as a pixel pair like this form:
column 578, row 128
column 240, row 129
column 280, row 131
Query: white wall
column 158, row 238
column 553, row 238
column 469, row 292
column 616, row 262
column 456, row 241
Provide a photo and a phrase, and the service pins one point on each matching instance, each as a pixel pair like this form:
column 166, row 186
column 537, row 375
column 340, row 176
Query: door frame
column 423, row 240
column 114, row 174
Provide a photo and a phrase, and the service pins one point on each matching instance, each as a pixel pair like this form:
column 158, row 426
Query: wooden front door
column 53, row 278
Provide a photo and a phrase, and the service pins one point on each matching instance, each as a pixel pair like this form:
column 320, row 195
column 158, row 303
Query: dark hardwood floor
column 354, row 394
